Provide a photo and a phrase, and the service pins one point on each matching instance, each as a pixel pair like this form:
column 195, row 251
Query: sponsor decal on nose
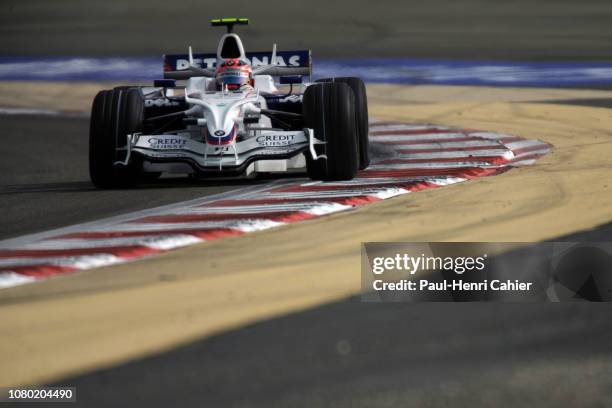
column 167, row 143
column 275, row 140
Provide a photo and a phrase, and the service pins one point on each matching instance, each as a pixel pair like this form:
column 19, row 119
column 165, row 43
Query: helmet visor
column 233, row 80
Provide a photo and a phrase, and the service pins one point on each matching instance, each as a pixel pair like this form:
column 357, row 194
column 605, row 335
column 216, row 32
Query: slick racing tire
column 114, row 115
column 329, row 109
column 361, row 113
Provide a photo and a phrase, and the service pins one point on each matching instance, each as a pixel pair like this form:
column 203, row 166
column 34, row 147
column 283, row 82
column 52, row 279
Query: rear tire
column 329, row 109
column 361, row 113
column 114, row 115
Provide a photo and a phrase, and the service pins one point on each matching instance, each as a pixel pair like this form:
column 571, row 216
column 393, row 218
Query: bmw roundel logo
column 219, row 133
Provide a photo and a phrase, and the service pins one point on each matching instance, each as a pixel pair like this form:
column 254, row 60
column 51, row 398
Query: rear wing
column 176, row 66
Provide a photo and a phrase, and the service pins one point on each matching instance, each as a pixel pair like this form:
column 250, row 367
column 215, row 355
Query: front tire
column 114, row 115
column 329, row 109
column 361, row 115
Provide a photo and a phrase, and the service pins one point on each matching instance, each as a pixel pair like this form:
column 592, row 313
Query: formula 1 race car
column 229, row 118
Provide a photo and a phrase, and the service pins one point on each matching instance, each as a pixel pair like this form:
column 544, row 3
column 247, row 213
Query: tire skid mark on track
column 426, row 156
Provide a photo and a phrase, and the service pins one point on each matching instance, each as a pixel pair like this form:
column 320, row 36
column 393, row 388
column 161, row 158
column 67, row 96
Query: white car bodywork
column 218, row 138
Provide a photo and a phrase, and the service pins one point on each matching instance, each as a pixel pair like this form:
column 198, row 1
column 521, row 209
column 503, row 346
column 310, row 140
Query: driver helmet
column 234, row 74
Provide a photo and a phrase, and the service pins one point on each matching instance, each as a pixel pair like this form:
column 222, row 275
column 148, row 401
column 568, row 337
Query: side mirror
column 290, row 79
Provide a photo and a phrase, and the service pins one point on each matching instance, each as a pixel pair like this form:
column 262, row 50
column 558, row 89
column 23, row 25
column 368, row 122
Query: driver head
column 233, row 73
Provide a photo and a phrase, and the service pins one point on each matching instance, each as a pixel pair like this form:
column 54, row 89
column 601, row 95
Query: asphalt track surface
column 44, row 179
column 467, row 29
